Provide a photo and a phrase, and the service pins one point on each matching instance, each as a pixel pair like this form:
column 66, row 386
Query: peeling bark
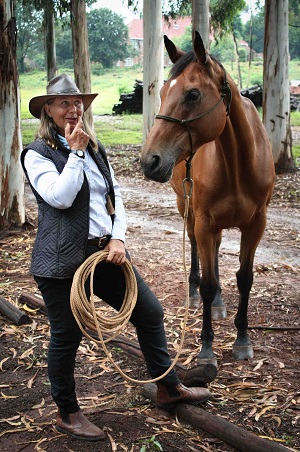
column 276, row 91
column 201, row 20
column 152, row 63
column 12, row 198
column 49, row 34
column 81, row 53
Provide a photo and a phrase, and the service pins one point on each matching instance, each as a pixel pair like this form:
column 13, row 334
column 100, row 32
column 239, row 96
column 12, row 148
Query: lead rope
column 85, row 312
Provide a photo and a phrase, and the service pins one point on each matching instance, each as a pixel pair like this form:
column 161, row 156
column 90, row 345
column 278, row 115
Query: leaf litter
column 261, row 395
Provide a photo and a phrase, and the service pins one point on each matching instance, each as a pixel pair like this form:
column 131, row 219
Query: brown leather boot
column 78, row 426
column 168, row 398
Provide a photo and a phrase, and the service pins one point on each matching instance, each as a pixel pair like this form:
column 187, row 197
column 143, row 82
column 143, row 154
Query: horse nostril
column 155, row 162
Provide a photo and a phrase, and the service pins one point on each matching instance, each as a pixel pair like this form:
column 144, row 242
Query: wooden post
column 13, row 313
column 218, row 427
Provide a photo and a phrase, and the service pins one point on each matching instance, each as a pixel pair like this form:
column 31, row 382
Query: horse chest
column 224, row 212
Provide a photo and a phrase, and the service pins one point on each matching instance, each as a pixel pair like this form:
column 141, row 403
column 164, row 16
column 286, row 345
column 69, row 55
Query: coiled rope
column 86, row 316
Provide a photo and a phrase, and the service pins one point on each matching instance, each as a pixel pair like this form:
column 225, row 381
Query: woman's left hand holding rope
column 116, row 252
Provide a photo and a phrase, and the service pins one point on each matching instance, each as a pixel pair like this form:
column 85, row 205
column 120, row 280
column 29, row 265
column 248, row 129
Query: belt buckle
column 102, row 241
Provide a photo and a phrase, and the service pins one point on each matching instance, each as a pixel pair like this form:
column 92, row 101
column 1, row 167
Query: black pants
column 109, row 285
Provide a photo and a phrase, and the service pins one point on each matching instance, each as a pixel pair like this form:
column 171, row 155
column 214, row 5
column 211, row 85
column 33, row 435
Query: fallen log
column 218, row 427
column 33, row 301
column 13, row 313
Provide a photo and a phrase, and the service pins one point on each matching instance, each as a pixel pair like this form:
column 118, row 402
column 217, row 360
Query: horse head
column 192, row 110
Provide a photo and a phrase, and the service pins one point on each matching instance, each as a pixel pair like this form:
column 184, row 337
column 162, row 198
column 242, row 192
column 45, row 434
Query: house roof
column 175, row 28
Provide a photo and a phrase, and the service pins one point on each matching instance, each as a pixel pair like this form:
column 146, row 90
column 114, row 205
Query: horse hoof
column 242, row 352
column 218, row 312
column 204, row 361
column 194, row 302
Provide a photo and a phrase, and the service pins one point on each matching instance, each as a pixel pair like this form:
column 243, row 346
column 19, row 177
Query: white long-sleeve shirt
column 60, row 189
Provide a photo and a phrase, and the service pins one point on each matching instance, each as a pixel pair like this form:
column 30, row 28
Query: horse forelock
column 188, row 58
column 182, row 63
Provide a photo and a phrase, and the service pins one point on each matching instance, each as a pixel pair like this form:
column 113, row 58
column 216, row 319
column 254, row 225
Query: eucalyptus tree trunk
column 153, row 62
column 276, row 91
column 49, row 36
column 12, row 198
column 237, row 59
column 200, row 20
column 81, row 54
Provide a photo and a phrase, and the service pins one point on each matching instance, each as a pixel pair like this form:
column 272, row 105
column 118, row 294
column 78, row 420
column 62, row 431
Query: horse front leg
column 206, row 242
column 250, row 238
column 218, row 307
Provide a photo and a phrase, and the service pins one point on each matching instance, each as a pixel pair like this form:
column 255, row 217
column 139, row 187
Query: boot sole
column 84, row 438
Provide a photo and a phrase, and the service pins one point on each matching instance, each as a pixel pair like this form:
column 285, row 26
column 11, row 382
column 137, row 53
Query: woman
column 80, row 211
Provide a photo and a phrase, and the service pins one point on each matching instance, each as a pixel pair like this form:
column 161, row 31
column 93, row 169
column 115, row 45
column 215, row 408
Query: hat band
column 65, row 92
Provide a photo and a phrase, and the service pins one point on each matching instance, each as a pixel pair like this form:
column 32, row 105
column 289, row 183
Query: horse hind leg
column 194, row 277
column 242, row 347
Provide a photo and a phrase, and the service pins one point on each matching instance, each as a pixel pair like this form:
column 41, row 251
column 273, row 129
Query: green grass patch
column 296, row 151
column 120, row 130
column 28, row 130
column 295, row 118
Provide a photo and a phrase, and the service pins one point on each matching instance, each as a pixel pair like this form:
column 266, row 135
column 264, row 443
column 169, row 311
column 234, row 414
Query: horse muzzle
column 156, row 168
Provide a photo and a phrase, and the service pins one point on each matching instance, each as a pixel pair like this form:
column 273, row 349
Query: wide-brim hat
column 61, row 85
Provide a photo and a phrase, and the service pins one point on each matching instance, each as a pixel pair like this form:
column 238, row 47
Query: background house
column 135, row 27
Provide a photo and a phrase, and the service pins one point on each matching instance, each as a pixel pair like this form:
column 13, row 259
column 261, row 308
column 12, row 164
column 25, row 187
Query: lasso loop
column 86, row 315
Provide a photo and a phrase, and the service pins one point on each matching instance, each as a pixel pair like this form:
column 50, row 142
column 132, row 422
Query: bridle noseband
column 225, row 92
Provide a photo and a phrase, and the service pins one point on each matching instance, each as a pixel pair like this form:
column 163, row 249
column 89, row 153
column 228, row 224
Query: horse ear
column 199, row 48
column 173, row 51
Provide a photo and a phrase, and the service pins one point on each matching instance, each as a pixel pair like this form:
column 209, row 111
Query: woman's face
column 64, row 110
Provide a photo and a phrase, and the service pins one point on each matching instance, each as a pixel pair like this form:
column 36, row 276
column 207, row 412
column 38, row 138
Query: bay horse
column 206, row 133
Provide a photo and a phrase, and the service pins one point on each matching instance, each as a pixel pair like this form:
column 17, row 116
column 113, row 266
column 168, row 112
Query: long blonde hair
column 47, row 126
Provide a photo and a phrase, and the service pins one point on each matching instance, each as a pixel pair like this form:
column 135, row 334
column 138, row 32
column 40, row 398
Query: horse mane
column 184, row 61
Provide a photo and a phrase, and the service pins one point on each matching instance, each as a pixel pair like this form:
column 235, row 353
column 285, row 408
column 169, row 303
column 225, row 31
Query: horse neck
column 237, row 132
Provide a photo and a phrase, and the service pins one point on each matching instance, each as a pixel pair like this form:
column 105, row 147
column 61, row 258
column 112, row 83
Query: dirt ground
column 261, row 395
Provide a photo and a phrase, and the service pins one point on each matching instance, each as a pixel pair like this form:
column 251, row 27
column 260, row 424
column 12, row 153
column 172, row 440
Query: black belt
column 100, row 242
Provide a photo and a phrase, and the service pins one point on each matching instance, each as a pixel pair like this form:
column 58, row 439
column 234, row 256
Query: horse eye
column 193, row 95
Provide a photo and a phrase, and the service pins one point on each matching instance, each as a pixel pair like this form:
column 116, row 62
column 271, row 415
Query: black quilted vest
column 62, row 234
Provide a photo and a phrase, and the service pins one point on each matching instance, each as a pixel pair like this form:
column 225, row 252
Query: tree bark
column 81, row 54
column 33, row 301
column 276, row 91
column 237, row 59
column 12, row 194
column 13, row 313
column 152, row 63
column 50, row 50
column 218, row 427
column 200, row 21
